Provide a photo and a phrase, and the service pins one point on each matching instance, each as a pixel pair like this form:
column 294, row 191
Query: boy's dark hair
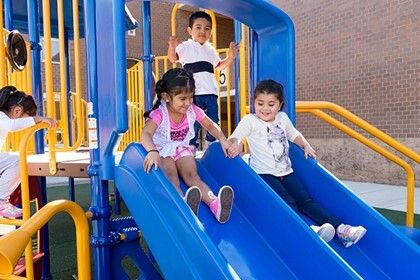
column 175, row 81
column 11, row 97
column 270, row 87
column 199, row 14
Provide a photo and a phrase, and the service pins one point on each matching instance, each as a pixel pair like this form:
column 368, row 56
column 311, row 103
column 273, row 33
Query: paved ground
column 384, row 196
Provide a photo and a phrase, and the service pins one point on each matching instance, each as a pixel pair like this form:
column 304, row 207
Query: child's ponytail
column 161, row 87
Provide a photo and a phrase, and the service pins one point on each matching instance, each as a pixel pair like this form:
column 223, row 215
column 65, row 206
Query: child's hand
column 151, row 159
column 53, row 123
column 235, row 149
column 225, row 145
column 173, row 42
column 309, row 151
column 233, row 49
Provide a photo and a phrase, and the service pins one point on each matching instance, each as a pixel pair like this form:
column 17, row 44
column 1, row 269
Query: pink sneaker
column 8, row 210
column 222, row 205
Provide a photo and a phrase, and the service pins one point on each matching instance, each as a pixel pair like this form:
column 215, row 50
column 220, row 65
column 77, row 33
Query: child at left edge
column 17, row 111
column 166, row 134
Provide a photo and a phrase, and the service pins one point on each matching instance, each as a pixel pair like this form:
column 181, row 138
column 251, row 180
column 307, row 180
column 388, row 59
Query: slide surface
column 264, row 238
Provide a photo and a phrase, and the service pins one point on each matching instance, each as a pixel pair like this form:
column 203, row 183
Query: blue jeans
column 208, row 102
column 291, row 190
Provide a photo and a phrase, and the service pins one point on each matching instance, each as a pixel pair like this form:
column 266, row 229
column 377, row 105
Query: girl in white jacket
column 166, row 135
column 17, row 111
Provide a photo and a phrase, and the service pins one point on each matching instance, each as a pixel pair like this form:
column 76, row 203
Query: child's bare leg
column 169, row 168
column 221, row 206
column 187, row 169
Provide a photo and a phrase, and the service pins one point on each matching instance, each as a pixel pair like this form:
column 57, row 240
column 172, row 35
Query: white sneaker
column 350, row 235
column 326, row 232
column 8, row 210
column 193, row 198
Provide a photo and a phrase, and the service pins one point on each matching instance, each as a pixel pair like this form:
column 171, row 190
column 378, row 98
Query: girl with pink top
column 169, row 128
column 17, row 111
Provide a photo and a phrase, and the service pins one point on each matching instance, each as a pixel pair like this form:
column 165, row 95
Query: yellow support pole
column 63, row 76
column 173, row 25
column 49, row 80
column 214, row 28
column 78, row 79
column 242, row 74
column 228, row 109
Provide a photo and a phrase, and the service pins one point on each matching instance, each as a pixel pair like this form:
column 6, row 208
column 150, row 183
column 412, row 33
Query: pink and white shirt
column 169, row 135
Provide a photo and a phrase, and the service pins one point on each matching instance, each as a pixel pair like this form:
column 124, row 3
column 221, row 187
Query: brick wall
column 364, row 56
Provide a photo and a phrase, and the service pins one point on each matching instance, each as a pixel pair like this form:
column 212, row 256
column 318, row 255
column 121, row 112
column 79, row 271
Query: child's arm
column 51, row 122
column 301, row 142
column 217, row 133
column 146, row 139
column 232, row 53
column 241, row 132
column 173, row 43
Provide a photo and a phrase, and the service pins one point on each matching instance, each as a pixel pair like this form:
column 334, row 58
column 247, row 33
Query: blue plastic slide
column 384, row 250
column 263, row 239
column 383, row 253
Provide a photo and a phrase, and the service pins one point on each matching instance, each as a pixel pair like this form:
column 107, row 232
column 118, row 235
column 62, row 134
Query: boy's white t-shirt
column 193, row 52
column 268, row 143
column 9, row 125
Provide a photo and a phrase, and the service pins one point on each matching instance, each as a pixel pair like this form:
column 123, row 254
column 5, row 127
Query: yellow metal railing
column 316, row 107
column 51, row 108
column 12, row 244
column 75, row 120
column 135, row 86
column 25, row 193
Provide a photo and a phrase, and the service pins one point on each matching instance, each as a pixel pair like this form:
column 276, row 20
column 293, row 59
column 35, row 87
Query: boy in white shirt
column 198, row 56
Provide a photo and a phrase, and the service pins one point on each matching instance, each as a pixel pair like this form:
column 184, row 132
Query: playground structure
column 249, row 246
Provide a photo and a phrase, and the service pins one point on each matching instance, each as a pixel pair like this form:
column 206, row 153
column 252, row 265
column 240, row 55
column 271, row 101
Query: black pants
column 291, row 190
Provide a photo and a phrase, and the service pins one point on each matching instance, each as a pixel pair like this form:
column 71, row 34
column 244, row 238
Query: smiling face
column 180, row 103
column 200, row 31
column 267, row 106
